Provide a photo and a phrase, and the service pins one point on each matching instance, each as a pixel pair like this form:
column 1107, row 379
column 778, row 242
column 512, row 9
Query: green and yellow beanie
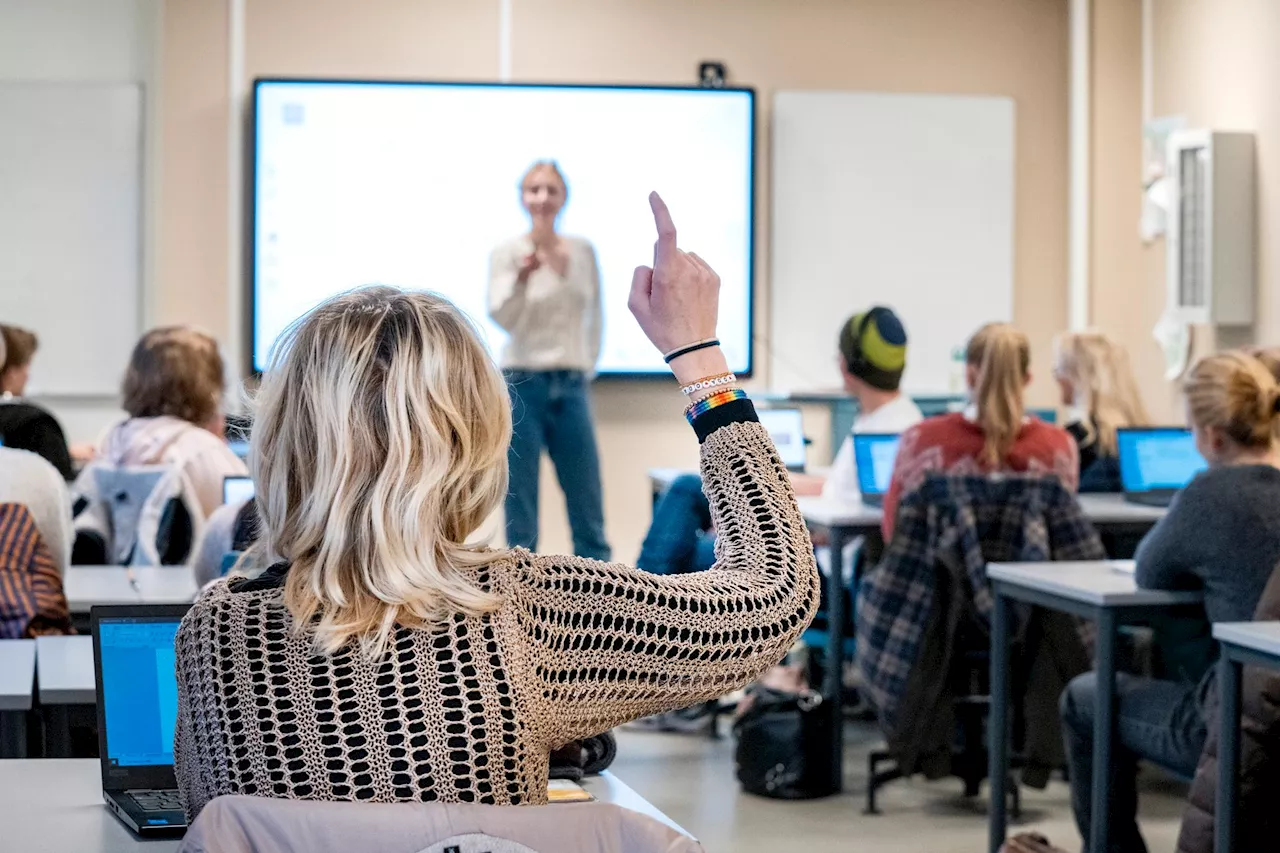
column 874, row 347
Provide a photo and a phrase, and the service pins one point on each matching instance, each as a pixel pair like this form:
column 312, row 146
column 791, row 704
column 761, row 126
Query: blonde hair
column 1236, row 393
column 1098, row 368
column 1269, row 356
column 1002, row 357
column 548, row 165
column 379, row 448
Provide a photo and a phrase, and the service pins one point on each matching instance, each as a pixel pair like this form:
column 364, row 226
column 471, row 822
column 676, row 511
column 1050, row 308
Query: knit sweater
column 952, row 444
column 469, row 712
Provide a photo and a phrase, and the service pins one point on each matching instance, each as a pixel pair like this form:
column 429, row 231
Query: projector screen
column 414, row 184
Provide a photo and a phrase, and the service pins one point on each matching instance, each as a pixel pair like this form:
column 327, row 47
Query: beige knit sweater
column 469, row 712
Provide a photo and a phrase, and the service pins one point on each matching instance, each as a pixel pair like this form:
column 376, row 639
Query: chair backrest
column 142, row 513
column 240, row 824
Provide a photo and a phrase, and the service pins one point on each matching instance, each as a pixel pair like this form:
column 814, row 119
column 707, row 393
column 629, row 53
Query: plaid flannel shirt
column 31, row 597
column 971, row 520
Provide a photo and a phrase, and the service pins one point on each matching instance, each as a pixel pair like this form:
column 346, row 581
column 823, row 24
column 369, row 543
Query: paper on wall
column 1174, row 338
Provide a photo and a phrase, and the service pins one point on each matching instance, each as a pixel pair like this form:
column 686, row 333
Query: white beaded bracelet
column 709, row 382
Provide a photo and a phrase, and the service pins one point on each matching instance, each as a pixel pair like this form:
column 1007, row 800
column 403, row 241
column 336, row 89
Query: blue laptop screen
column 139, row 690
column 1158, row 459
column 874, row 455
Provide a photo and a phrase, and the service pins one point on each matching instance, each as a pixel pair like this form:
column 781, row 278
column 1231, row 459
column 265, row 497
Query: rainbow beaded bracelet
column 715, row 400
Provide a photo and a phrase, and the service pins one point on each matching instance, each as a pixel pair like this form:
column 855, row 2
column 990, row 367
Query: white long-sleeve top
column 555, row 321
column 25, row 478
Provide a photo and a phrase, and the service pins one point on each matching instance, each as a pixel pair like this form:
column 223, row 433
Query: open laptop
column 133, row 655
column 786, row 428
column 237, row 489
column 1156, row 462
column 874, row 454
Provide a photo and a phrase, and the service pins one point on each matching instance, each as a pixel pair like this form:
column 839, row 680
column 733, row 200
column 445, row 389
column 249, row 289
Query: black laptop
column 137, row 710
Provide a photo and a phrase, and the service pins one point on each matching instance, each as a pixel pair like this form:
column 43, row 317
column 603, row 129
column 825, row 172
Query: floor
column 690, row 778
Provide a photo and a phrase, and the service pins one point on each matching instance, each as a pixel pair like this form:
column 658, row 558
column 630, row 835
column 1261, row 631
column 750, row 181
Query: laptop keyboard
column 156, row 801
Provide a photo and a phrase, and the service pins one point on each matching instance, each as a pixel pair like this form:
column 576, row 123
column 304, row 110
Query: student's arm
column 842, row 480
column 508, row 287
column 1168, row 553
column 605, row 643
column 208, row 469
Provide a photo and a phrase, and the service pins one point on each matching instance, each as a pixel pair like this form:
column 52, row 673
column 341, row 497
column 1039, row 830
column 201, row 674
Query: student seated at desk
column 172, row 394
column 993, row 434
column 1222, row 536
column 396, row 660
column 872, row 357
column 1096, row 381
column 23, row 424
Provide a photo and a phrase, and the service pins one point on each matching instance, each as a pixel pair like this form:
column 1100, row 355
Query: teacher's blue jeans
column 550, row 408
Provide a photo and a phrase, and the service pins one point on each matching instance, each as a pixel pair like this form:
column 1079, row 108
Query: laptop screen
column 139, row 689
column 874, row 455
column 1157, row 459
column 786, row 428
column 237, row 489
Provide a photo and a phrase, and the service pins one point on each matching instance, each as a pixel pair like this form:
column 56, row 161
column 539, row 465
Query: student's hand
column 1029, row 842
column 676, row 301
column 83, row 453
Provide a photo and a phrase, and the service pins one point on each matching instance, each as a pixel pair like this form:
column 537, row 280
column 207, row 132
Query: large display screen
column 415, row 184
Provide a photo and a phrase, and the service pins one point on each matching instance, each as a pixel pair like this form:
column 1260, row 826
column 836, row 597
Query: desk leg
column 13, row 734
column 833, row 686
column 1104, row 730
column 998, row 734
column 1229, row 676
column 57, row 731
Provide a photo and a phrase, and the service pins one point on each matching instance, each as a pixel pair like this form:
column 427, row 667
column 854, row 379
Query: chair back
column 240, row 824
column 139, row 515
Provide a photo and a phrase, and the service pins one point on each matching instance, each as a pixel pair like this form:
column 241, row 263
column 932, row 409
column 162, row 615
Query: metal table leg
column 998, row 725
column 833, row 683
column 1103, row 731
column 1229, row 677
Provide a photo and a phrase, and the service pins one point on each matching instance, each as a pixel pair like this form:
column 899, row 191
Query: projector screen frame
column 250, row 315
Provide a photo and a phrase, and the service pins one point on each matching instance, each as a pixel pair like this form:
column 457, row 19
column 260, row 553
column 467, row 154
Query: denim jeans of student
column 1159, row 721
column 550, row 409
column 678, row 540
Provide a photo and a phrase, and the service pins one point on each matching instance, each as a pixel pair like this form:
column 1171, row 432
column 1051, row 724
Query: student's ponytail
column 1236, row 393
column 1001, row 356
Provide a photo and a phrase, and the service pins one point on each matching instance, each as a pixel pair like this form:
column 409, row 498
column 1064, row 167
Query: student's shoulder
column 29, row 416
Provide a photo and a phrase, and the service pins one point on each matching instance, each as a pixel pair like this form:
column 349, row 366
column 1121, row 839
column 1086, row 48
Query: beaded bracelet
column 714, row 401
column 708, row 382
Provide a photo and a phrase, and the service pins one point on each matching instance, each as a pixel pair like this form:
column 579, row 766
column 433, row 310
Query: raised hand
column 528, row 264
column 677, row 300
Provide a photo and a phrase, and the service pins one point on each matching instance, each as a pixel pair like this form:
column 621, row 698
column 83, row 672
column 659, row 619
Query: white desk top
column 17, row 674
column 65, row 669
column 1114, row 509
column 1259, row 636
column 824, row 512
column 1105, row 583
column 88, row 586
column 55, row 804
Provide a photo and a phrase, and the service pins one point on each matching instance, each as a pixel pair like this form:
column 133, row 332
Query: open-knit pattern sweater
column 470, row 712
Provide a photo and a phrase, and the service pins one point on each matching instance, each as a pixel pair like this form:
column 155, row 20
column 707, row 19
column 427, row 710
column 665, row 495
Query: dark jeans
column 1158, row 721
column 550, row 409
column 678, row 541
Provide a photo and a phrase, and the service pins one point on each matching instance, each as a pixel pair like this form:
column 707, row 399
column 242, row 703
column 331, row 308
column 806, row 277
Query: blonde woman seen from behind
column 1222, row 536
column 993, row 434
column 1096, row 381
column 395, row 660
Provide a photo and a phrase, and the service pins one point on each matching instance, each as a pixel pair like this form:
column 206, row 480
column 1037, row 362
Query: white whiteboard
column 899, row 200
column 70, row 229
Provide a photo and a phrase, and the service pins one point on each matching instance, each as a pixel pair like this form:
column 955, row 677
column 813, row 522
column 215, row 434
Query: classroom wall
column 90, row 41
column 995, row 47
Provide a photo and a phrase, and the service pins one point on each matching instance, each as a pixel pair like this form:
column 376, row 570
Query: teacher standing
column 544, row 290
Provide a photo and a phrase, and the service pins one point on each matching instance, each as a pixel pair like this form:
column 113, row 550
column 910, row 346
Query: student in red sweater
column 993, row 434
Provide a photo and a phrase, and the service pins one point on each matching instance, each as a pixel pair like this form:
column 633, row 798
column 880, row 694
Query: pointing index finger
column 666, row 245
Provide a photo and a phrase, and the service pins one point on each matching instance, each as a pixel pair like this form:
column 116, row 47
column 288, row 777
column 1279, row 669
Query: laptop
column 133, row 655
column 237, row 489
column 1049, row 416
column 874, row 454
column 786, row 428
column 1156, row 462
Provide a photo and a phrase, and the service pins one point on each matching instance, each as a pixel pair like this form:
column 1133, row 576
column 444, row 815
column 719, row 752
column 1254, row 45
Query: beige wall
column 995, row 47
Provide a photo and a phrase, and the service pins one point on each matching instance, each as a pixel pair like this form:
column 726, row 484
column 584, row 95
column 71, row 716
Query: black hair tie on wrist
column 676, row 353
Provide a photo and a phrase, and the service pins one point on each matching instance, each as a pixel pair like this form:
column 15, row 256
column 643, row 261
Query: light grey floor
column 691, row 779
